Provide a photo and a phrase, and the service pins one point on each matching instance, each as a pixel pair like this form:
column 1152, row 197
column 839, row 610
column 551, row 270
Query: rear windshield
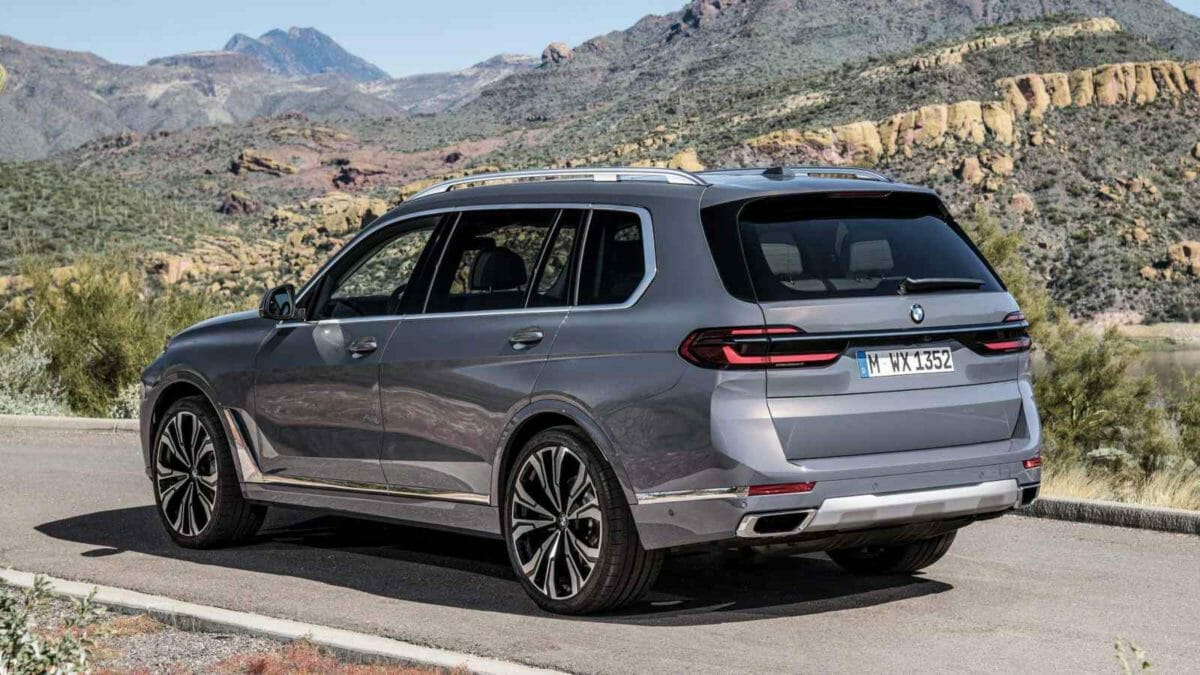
column 824, row 246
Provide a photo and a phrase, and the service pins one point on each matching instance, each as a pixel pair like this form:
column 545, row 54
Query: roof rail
column 672, row 176
column 783, row 171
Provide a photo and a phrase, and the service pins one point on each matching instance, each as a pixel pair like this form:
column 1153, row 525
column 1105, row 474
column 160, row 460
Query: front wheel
column 195, row 484
column 570, row 535
column 894, row 558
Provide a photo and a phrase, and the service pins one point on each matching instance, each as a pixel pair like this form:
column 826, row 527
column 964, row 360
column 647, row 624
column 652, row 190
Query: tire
column 893, row 559
column 550, row 553
column 196, row 490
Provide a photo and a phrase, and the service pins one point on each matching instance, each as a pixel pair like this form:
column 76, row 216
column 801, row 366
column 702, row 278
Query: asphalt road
column 1014, row 594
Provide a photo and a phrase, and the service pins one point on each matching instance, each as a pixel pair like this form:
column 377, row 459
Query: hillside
column 1075, row 130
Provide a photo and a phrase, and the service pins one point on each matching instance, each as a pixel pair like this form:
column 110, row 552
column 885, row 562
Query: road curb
column 356, row 646
column 1115, row 513
column 67, row 423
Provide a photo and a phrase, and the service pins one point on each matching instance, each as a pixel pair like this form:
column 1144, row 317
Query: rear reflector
column 757, row 347
column 780, row 489
column 1033, row 462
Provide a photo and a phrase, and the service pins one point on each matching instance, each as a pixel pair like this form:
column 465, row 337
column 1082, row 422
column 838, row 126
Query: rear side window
column 614, row 258
column 829, row 246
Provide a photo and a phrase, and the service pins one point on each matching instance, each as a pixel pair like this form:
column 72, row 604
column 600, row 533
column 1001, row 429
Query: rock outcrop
column 686, row 160
column 1025, row 97
column 955, row 54
column 556, row 53
column 251, row 160
column 1186, row 256
column 238, row 203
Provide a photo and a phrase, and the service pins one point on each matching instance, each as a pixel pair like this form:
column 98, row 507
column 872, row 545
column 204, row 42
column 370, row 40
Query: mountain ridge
column 302, row 52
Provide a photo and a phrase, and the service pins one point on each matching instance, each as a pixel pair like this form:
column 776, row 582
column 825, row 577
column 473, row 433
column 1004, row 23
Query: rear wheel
column 570, row 534
column 195, row 484
column 895, row 558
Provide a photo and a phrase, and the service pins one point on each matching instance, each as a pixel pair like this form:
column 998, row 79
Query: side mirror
column 279, row 304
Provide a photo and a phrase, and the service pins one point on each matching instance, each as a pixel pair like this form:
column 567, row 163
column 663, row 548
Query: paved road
column 1014, row 594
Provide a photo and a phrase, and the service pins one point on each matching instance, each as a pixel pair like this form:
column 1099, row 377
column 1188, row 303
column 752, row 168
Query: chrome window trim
column 647, row 253
column 692, row 495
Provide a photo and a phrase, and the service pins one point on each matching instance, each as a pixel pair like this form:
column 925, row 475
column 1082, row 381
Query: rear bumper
column 834, row 507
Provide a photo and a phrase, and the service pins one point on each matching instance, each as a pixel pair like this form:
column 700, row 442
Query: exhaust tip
column 780, row 523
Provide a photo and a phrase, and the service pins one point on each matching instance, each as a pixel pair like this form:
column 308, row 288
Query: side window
column 553, row 280
column 490, row 259
column 614, row 262
column 375, row 284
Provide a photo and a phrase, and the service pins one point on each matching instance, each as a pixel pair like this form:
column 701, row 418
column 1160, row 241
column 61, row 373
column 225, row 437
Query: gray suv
column 601, row 365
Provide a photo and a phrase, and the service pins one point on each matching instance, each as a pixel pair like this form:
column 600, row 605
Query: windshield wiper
column 911, row 285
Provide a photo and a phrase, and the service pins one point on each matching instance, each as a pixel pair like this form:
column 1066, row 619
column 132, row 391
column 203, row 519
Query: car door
column 316, row 390
column 452, row 376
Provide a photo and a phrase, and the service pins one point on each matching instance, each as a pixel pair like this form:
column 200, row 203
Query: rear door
column 904, row 306
column 453, row 376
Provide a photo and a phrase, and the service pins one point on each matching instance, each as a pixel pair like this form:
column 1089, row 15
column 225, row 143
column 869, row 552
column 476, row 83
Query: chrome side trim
column 252, row 474
column 859, row 511
column 604, row 175
column 746, row 527
column 692, row 495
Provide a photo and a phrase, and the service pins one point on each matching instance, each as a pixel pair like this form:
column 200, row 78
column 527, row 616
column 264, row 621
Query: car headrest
column 497, row 269
column 870, row 255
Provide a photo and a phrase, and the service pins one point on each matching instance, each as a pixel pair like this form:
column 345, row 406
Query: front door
column 316, row 391
column 453, row 376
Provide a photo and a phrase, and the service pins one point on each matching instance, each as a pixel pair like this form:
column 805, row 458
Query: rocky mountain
column 1080, row 131
column 300, row 52
column 437, row 92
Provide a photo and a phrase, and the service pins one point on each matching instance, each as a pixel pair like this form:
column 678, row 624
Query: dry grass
column 125, row 626
column 302, row 658
column 1169, row 488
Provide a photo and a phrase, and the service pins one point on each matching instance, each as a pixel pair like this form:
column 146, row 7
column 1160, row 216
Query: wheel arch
column 173, row 387
column 539, row 416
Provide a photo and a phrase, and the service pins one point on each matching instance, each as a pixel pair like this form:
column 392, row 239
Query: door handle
column 526, row 338
column 362, row 346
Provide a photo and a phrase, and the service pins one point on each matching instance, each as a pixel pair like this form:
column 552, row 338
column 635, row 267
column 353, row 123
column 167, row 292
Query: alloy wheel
column 186, row 474
column 555, row 522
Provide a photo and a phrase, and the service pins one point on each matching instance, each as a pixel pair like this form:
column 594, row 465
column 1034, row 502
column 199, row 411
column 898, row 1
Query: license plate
column 891, row 362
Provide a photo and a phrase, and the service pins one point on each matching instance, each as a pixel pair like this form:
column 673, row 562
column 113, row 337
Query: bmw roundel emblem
column 917, row 313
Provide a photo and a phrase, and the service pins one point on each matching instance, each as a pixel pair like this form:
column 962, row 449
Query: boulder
column 686, row 160
column 1149, row 273
column 1001, row 165
column 1196, row 151
column 965, row 121
column 970, row 171
column 340, row 213
column 1058, row 87
column 861, row 141
column 1083, row 87
column 556, row 53
column 238, row 203
column 1022, row 202
column 1186, row 254
column 931, row 124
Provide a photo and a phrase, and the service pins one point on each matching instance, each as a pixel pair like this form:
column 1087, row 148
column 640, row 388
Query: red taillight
column 757, row 347
column 1033, row 462
column 1014, row 317
column 780, row 489
column 1018, row 344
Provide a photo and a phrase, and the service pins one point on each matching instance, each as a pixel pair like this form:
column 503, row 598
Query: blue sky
column 401, row 36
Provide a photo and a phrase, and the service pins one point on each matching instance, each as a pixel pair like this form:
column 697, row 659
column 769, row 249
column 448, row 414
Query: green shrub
column 102, row 328
column 25, row 649
column 26, row 385
column 1092, row 409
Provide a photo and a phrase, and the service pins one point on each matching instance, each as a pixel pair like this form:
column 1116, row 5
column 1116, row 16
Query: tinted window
column 489, row 260
column 836, row 247
column 375, row 283
column 614, row 261
column 553, row 281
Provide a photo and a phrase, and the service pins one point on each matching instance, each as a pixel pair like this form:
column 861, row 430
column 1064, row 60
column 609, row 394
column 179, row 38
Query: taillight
column 1006, row 340
column 758, row 347
column 780, row 489
column 1033, row 462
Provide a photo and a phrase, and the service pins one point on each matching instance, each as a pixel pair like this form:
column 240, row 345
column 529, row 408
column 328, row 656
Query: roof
column 709, row 188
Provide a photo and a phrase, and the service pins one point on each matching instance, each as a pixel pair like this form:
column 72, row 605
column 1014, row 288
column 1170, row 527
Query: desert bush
column 26, row 385
column 1184, row 411
column 102, row 327
column 1087, row 397
column 26, row 649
